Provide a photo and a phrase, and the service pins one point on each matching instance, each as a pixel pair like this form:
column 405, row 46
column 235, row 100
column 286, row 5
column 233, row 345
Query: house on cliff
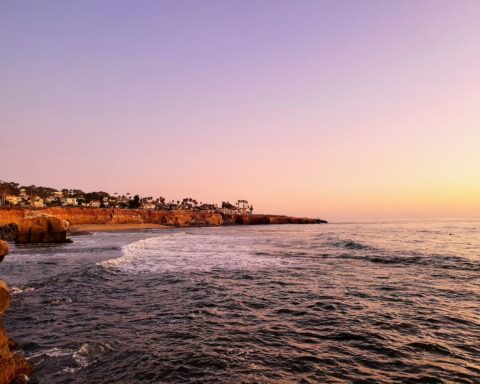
column 13, row 200
column 37, row 202
column 69, row 201
column 148, row 206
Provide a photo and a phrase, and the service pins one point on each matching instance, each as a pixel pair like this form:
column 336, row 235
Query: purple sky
column 338, row 109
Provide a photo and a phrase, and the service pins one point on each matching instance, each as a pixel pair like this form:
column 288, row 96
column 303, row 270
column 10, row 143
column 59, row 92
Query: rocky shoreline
column 94, row 216
column 13, row 367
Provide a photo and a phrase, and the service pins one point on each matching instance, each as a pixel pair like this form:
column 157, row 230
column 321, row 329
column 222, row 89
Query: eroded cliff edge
column 76, row 216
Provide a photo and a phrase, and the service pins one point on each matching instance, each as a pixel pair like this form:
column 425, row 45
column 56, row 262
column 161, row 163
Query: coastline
column 107, row 217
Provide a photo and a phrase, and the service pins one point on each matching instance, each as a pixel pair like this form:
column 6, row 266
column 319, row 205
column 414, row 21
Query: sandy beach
column 113, row 227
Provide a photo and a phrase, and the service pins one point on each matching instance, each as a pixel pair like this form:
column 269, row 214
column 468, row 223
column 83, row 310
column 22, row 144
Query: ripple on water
column 315, row 304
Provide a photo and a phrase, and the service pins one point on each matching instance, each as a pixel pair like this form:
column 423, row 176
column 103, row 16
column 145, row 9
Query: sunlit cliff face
column 335, row 109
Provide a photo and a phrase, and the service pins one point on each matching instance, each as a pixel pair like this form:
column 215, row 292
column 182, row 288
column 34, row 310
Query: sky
column 333, row 109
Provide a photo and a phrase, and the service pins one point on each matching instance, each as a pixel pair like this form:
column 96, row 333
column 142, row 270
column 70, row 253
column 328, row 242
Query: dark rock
column 8, row 232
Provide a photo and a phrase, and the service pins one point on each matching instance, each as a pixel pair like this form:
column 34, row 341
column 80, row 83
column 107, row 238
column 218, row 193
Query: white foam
column 16, row 290
column 52, row 352
column 190, row 252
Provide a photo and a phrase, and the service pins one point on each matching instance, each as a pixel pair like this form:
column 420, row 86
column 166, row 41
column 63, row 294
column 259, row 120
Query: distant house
column 229, row 211
column 235, row 211
column 13, row 200
column 69, row 202
column 37, row 202
column 149, row 206
column 94, row 204
column 242, row 210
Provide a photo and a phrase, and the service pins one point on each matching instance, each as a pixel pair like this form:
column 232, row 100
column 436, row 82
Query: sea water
column 365, row 302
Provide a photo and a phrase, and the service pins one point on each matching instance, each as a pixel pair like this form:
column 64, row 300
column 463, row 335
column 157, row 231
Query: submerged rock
column 42, row 228
column 8, row 232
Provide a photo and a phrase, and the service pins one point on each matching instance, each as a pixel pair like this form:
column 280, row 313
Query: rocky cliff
column 77, row 216
column 268, row 219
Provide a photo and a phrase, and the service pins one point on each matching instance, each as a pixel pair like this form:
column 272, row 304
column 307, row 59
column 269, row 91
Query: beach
column 113, row 227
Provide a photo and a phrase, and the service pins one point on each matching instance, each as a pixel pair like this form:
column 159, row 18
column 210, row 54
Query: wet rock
column 4, row 298
column 3, row 249
column 42, row 228
column 13, row 367
column 8, row 232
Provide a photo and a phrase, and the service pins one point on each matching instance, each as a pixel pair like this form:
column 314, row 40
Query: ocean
column 349, row 302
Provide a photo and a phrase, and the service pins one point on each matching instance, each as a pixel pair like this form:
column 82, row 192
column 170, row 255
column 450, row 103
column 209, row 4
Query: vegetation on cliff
column 14, row 195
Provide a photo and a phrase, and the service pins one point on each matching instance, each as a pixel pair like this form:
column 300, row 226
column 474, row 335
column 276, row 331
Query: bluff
column 76, row 216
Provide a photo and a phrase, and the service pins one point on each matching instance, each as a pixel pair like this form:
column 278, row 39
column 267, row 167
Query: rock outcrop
column 268, row 219
column 13, row 367
column 190, row 219
column 41, row 228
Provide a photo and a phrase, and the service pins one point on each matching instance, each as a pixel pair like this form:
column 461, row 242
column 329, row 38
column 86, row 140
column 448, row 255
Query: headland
column 95, row 219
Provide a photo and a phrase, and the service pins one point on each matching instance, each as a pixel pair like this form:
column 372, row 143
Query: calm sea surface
column 362, row 302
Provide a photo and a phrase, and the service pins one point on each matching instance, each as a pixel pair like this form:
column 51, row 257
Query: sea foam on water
column 190, row 252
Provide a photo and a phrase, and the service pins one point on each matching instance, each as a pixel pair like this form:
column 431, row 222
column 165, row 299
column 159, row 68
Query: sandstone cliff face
column 8, row 216
column 13, row 367
column 189, row 219
column 77, row 216
column 41, row 228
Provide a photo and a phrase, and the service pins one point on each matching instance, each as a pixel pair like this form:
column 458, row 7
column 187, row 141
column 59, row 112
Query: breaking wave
column 182, row 252
column 70, row 358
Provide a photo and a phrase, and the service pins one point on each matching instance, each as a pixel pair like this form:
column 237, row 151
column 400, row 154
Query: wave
column 350, row 244
column 73, row 359
column 17, row 290
column 182, row 252
column 88, row 354
column 405, row 259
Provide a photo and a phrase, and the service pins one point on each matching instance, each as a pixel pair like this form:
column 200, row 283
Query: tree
column 227, row 205
column 134, row 203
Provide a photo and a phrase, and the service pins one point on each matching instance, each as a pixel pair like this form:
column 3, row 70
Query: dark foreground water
column 350, row 302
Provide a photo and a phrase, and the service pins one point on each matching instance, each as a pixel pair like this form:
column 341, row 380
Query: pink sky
column 336, row 109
